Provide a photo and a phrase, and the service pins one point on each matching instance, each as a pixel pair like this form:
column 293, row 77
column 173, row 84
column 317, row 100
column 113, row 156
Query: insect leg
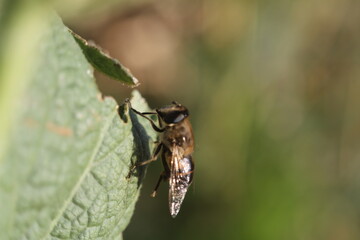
column 163, row 176
column 154, row 157
column 156, row 128
column 149, row 113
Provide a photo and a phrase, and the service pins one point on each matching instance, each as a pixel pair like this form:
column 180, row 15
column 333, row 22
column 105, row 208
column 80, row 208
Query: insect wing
column 181, row 171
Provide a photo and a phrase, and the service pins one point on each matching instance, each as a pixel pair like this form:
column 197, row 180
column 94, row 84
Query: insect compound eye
column 174, row 116
column 179, row 117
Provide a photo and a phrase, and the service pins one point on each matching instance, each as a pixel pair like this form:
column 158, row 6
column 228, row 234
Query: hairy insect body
column 176, row 147
column 180, row 135
column 178, row 143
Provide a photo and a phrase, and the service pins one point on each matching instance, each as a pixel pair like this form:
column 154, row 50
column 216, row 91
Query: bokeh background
column 274, row 95
column 273, row 89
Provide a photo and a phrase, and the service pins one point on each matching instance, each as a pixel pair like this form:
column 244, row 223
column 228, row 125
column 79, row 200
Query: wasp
column 176, row 147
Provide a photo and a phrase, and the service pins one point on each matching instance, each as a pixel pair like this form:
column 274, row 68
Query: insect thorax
column 180, row 135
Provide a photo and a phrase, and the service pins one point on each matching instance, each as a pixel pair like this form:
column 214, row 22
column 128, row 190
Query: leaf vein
column 82, row 177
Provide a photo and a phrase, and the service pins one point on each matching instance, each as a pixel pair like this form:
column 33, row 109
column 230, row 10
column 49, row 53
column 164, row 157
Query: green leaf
column 104, row 63
column 64, row 174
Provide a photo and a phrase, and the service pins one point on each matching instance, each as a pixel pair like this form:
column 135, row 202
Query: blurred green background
column 273, row 89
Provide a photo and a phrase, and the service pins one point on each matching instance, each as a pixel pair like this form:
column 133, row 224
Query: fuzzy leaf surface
column 64, row 175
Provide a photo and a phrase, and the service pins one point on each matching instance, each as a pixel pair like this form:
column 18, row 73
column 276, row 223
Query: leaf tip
column 137, row 101
column 135, row 81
